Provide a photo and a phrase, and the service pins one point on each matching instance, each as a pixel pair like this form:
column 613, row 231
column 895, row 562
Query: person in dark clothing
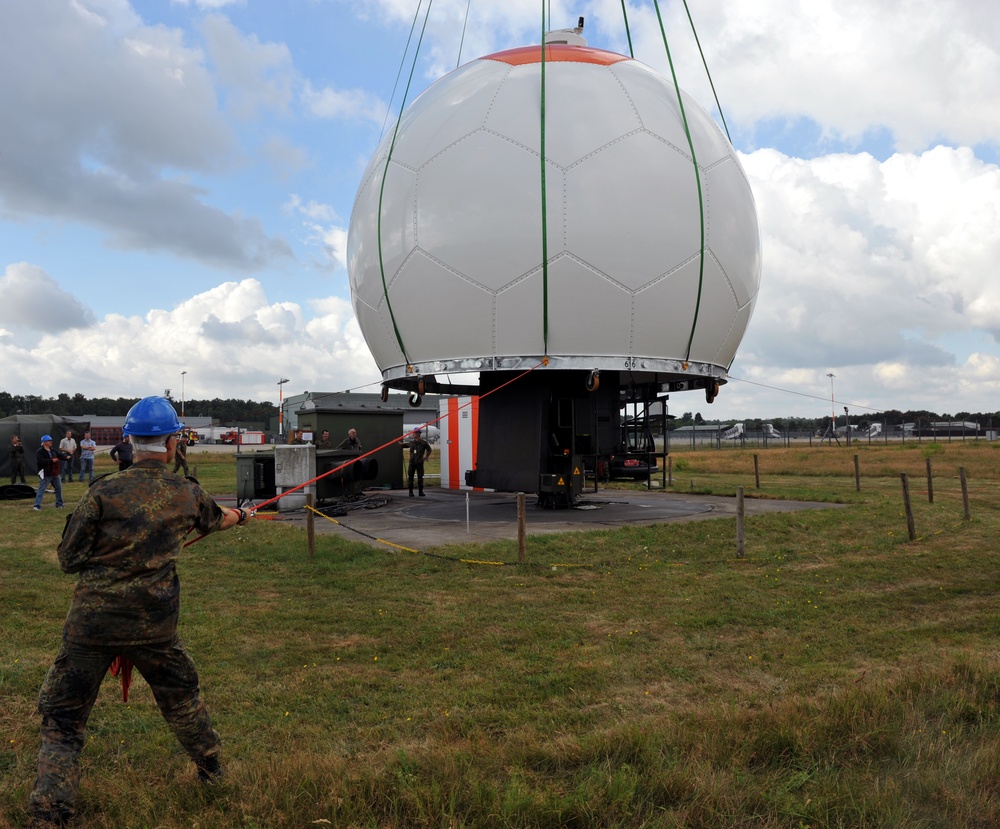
column 180, row 456
column 420, row 451
column 122, row 453
column 324, row 441
column 15, row 452
column 48, row 459
column 351, row 441
column 123, row 539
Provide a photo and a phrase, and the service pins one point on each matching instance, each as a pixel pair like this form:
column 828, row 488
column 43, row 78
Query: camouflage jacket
column 123, row 540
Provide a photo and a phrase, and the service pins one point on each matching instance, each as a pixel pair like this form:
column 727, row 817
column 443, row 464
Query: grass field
column 839, row 675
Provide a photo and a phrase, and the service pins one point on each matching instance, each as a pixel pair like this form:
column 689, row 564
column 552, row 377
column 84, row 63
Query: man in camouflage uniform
column 420, row 450
column 123, row 539
column 180, row 456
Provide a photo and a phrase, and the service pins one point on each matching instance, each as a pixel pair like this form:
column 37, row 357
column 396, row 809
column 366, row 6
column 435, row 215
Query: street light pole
column 182, row 394
column 833, row 411
column 281, row 407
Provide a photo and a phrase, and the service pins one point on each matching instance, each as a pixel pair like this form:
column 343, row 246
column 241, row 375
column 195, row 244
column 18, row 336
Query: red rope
column 122, row 665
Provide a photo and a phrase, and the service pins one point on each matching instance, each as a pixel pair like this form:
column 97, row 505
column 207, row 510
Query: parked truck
column 242, row 437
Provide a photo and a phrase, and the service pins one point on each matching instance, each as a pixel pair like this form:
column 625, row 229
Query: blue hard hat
column 152, row 417
column 46, row 437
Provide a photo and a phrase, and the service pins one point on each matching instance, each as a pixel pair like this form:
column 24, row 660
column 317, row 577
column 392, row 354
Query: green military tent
column 30, row 429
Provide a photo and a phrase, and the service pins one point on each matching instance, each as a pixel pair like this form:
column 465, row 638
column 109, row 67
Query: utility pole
column 833, row 411
column 281, row 406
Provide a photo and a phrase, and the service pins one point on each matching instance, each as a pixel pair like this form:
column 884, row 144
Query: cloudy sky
column 177, row 177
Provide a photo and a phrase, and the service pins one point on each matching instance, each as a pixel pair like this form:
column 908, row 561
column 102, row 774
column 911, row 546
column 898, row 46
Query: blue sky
column 177, row 178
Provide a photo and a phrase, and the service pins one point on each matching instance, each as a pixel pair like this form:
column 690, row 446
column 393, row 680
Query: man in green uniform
column 123, row 539
column 180, row 455
column 420, row 450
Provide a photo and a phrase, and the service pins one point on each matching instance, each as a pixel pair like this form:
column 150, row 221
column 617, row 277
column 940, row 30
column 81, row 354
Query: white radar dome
column 446, row 252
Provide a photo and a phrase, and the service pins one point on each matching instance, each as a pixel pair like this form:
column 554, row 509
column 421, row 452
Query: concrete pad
column 447, row 517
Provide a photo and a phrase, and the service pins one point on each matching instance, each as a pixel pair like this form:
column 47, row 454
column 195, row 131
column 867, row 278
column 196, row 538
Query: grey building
column 308, row 402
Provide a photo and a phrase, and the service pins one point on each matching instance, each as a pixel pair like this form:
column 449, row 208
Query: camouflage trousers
column 68, row 695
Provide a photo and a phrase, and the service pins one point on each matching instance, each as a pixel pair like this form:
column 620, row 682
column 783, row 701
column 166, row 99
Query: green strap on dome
column 707, row 73
column 697, row 178
column 545, row 228
column 628, row 32
column 385, row 171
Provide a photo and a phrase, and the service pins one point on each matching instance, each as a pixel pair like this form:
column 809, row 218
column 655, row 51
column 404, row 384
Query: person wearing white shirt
column 67, row 445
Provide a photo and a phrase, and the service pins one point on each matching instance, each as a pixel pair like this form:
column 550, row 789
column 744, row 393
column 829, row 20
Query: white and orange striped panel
column 459, row 426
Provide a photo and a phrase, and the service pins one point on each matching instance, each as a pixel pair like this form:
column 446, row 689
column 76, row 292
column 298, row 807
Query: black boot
column 210, row 769
column 49, row 818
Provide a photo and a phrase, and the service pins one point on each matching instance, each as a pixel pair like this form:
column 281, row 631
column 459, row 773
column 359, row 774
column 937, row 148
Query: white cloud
column 859, row 253
column 330, row 238
column 312, row 209
column 34, row 301
column 259, row 75
column 109, row 114
column 230, row 339
column 870, row 270
column 335, row 244
column 344, row 104
column 208, row 4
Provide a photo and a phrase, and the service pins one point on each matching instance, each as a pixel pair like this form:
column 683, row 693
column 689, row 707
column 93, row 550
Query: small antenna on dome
column 572, row 37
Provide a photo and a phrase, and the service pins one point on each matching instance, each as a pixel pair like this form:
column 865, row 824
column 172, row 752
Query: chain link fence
column 772, row 436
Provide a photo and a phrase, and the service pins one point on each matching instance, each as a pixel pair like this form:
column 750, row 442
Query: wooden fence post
column 670, row 471
column 739, row 522
column 965, row 493
column 756, row 470
column 930, row 483
column 857, row 475
column 909, row 508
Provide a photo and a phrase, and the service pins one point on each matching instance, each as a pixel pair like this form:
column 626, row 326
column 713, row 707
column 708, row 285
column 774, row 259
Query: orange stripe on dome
column 556, row 52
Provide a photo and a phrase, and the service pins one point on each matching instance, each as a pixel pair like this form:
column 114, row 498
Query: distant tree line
column 233, row 410
column 77, row 405
column 890, row 418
